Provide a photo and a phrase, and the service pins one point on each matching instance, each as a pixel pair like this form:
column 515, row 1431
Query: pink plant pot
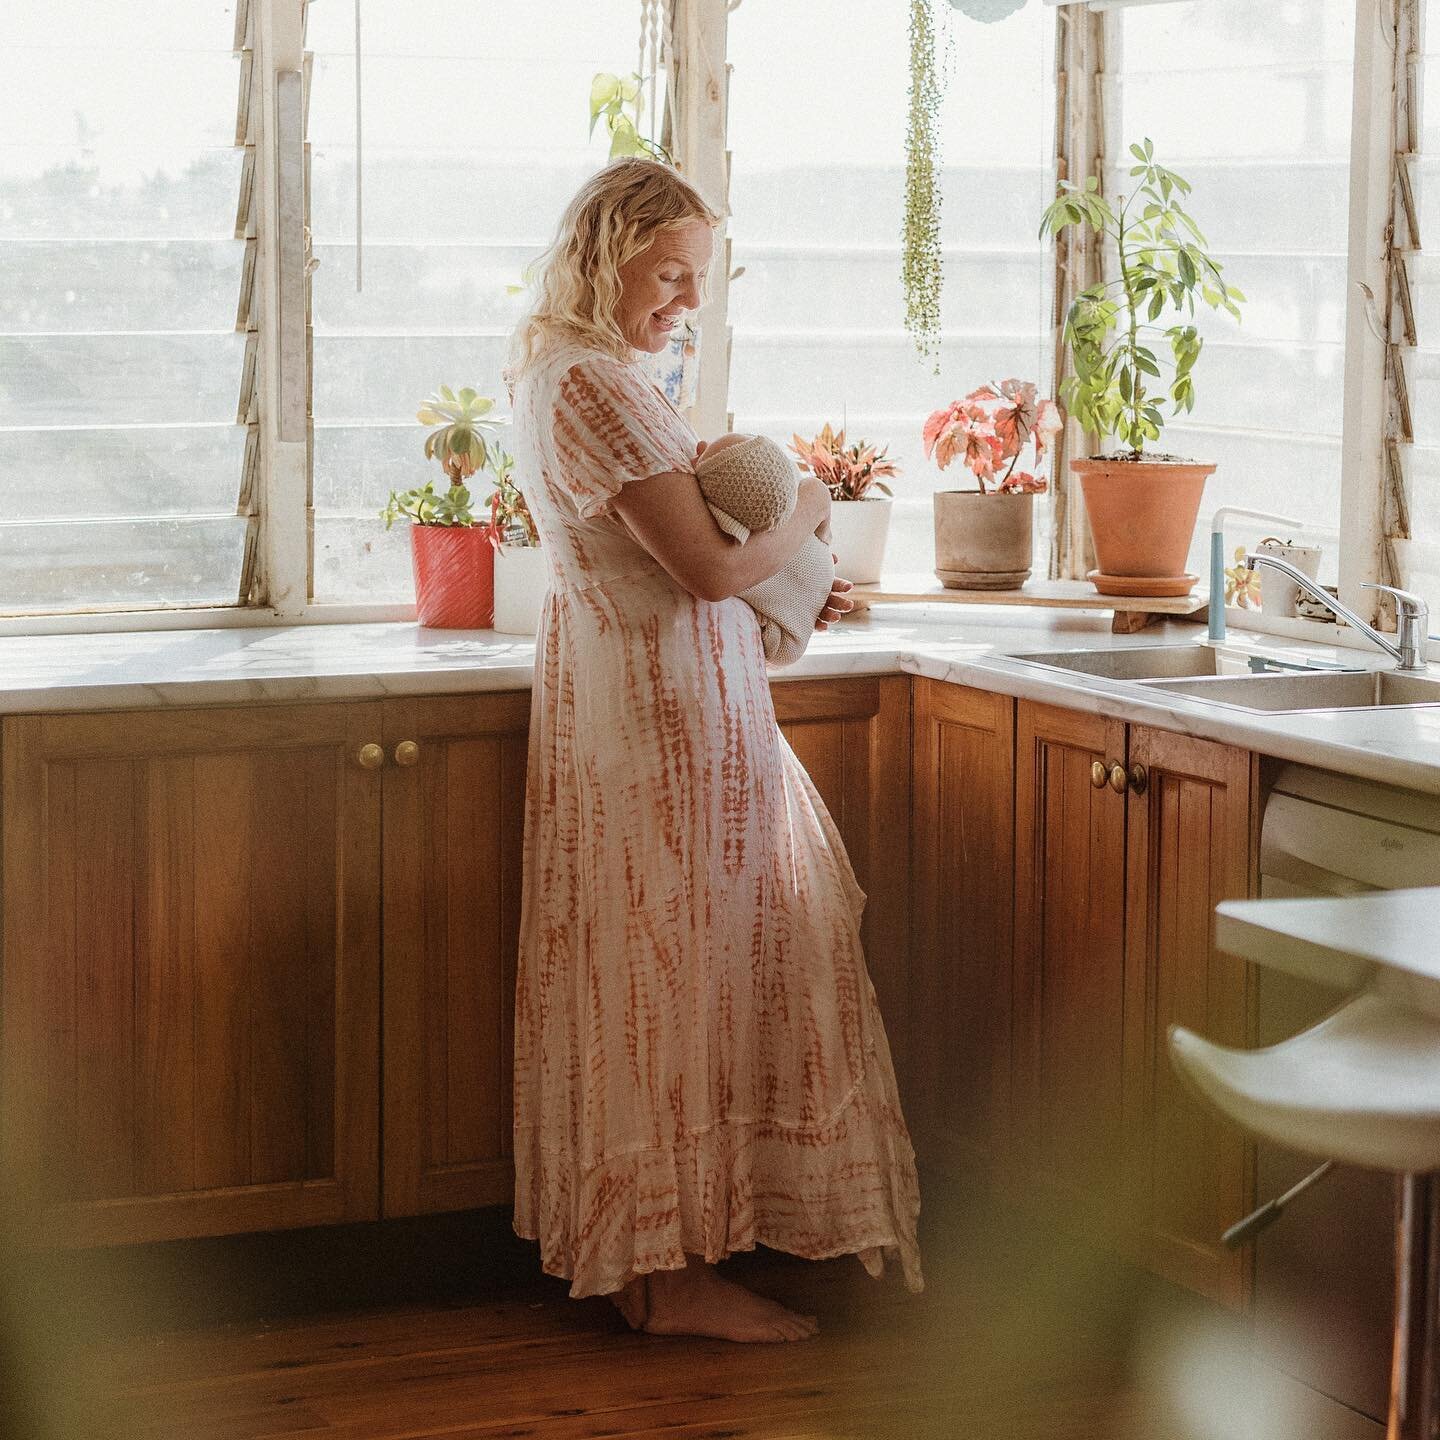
column 454, row 576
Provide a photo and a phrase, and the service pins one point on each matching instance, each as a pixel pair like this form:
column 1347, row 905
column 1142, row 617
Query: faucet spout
column 1413, row 612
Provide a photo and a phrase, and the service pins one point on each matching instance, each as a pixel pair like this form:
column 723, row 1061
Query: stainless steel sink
column 1159, row 662
column 1337, row 690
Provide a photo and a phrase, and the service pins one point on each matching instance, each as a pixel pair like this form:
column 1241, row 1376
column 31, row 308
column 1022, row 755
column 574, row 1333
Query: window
column 473, row 136
column 1251, row 104
column 120, row 364
column 817, row 128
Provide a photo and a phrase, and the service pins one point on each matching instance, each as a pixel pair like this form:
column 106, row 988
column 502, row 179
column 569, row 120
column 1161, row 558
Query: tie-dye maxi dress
column 700, row 1063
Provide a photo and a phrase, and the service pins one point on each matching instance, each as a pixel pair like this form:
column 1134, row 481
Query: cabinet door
column 191, row 970
column 963, row 844
column 454, row 831
column 853, row 738
column 1189, row 848
column 1069, row 963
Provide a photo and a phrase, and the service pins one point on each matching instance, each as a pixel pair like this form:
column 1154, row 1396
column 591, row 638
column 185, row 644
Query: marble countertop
column 960, row 644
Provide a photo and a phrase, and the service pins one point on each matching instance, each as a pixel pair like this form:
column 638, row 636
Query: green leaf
column 603, row 89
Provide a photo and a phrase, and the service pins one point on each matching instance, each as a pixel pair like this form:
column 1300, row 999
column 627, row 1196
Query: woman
column 700, row 1064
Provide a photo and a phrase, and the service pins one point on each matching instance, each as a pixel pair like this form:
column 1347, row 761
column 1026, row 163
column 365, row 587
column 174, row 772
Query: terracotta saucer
column 1156, row 587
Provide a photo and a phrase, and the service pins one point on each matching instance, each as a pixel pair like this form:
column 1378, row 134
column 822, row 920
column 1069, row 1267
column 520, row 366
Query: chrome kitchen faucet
column 1411, row 611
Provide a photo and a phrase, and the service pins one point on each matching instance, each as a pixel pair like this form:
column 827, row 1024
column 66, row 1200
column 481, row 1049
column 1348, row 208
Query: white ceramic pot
column 857, row 537
column 521, row 579
column 1277, row 594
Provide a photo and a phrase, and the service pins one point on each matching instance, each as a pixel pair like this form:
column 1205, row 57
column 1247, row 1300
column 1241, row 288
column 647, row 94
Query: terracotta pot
column 1142, row 515
column 521, row 579
column 454, row 576
column 858, row 529
column 983, row 542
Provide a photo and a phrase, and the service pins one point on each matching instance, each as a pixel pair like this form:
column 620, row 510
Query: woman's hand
column 836, row 603
column 814, row 497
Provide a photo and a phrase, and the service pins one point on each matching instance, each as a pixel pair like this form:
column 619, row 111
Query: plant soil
column 1145, row 457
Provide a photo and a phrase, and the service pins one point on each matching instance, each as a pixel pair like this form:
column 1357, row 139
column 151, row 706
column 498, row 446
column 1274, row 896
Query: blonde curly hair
column 614, row 216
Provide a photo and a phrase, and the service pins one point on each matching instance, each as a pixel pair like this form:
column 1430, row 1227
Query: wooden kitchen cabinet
column 1127, row 838
column 1069, row 897
column 963, row 811
column 1188, row 847
column 454, row 831
column 203, row 909
column 852, row 734
column 190, row 1032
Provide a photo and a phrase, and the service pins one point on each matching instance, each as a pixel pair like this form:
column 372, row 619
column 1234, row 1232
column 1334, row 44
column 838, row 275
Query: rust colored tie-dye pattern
column 700, row 1063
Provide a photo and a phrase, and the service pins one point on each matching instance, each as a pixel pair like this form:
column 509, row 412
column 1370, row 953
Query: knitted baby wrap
column 752, row 486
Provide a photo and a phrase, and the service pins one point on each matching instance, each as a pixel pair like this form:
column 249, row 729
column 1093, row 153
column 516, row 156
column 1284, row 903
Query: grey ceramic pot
column 983, row 542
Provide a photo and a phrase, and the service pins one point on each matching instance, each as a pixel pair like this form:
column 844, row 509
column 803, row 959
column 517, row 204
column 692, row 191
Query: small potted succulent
column 857, row 531
column 452, row 553
column 521, row 578
column 983, row 537
column 1142, row 506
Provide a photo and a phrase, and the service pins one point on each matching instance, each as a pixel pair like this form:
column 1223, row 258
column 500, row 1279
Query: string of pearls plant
column 920, row 265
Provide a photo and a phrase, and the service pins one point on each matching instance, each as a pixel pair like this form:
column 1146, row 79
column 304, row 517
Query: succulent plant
column 848, row 470
column 459, row 443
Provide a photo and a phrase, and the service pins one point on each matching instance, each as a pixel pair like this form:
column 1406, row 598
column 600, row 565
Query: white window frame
column 701, row 28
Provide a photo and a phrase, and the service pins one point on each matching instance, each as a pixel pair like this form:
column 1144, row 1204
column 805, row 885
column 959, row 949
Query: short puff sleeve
column 610, row 426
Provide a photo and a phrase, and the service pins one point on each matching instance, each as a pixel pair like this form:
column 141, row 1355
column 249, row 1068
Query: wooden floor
column 445, row 1328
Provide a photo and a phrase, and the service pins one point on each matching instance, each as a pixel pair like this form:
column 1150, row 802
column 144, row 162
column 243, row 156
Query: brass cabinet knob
column 1118, row 778
column 370, row 757
column 407, row 752
column 1097, row 774
column 1138, row 779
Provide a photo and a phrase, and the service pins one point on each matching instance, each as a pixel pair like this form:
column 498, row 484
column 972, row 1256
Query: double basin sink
column 1244, row 680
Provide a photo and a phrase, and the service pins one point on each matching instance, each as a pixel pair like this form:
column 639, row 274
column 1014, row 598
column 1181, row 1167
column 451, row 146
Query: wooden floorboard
column 446, row 1330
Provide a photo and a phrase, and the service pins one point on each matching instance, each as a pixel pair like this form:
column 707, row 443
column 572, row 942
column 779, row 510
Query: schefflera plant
column 1162, row 263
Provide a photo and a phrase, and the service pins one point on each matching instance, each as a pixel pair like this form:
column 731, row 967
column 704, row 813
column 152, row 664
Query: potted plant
column 452, row 553
column 521, row 578
column 983, row 537
column 1142, row 507
column 857, row 532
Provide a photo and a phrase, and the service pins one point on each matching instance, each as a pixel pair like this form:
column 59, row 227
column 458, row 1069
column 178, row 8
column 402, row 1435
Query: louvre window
column 1251, row 104
column 121, row 451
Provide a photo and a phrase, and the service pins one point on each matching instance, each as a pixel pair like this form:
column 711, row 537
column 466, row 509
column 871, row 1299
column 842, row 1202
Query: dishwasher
column 1325, row 1273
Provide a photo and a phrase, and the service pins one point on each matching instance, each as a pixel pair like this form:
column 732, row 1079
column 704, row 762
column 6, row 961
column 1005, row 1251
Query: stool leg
column 1415, row 1364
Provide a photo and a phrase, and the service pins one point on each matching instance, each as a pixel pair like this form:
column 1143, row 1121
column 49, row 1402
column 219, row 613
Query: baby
column 750, row 485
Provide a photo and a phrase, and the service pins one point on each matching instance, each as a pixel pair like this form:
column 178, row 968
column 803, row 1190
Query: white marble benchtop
column 962, row 644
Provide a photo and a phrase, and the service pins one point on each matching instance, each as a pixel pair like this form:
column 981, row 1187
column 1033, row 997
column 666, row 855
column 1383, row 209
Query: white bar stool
column 1362, row 1087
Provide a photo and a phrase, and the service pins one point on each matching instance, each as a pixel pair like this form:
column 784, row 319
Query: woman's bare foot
column 698, row 1300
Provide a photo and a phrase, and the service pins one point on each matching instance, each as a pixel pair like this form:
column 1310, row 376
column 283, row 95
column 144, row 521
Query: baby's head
column 737, row 452
column 750, row 478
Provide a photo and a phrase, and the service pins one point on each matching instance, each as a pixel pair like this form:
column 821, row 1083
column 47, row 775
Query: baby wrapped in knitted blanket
column 750, row 485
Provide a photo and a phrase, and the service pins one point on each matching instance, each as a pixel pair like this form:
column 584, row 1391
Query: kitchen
column 263, row 832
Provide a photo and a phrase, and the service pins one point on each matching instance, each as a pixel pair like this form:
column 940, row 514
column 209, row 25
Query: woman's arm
column 668, row 516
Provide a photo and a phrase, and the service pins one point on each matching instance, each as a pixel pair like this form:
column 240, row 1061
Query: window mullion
column 1367, row 393
column 282, row 379
column 700, row 79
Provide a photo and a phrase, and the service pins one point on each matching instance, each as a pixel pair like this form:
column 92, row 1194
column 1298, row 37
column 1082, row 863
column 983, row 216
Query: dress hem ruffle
column 848, row 1187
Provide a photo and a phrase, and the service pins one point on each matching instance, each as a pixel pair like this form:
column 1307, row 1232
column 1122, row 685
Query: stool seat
column 1361, row 1087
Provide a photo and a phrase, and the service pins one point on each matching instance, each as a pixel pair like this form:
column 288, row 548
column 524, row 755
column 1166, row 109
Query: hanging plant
column 920, row 263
